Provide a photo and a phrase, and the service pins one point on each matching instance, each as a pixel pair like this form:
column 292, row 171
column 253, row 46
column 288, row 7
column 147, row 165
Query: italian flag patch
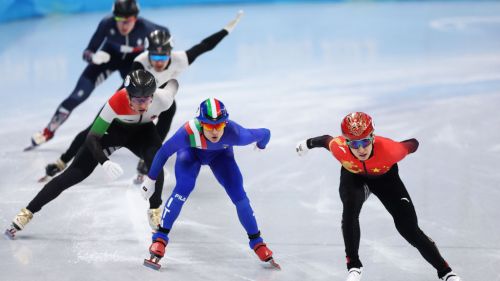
column 213, row 108
column 196, row 139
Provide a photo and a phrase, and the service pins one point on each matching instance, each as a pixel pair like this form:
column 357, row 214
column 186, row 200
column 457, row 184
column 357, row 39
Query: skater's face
column 140, row 105
column 213, row 132
column 361, row 149
column 159, row 61
column 125, row 24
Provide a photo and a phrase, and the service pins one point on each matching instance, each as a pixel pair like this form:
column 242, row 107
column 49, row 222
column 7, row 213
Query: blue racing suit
column 193, row 150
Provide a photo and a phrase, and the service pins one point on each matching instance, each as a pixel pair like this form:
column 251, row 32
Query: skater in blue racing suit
column 208, row 139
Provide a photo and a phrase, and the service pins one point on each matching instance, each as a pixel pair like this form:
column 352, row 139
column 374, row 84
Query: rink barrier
column 11, row 10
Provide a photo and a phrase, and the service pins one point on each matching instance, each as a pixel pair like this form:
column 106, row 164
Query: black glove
column 54, row 168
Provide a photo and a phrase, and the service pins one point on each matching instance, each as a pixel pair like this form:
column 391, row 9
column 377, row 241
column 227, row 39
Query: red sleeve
column 397, row 151
column 120, row 104
column 339, row 149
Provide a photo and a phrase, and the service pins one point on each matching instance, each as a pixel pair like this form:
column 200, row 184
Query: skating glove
column 148, row 187
column 113, row 170
column 257, row 148
column 302, row 148
column 100, row 57
column 232, row 24
column 54, row 168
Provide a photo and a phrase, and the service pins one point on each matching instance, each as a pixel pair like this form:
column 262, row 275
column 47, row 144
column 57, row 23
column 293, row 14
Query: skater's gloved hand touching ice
column 148, row 187
column 112, row 169
column 232, row 24
column 302, row 148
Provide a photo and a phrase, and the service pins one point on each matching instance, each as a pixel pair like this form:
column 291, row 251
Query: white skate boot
column 40, row 137
column 451, row 276
column 154, row 217
column 19, row 222
column 354, row 274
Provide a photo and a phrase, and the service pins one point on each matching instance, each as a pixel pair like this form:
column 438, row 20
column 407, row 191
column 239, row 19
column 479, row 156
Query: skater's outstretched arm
column 321, row 141
column 411, row 145
column 211, row 41
column 246, row 136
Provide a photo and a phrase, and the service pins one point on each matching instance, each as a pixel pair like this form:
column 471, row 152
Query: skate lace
column 24, row 217
column 154, row 217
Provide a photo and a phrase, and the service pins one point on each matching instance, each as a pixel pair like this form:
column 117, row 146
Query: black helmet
column 140, row 84
column 125, row 8
column 159, row 42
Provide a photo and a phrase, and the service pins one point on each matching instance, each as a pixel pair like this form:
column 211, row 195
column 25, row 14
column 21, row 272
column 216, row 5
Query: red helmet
column 356, row 126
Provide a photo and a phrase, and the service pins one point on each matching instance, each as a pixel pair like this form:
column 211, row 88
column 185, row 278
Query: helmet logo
column 357, row 126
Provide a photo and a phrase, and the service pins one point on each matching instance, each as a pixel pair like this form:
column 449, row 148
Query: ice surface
column 424, row 70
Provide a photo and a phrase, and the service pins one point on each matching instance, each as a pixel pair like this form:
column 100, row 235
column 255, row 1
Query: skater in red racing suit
column 369, row 165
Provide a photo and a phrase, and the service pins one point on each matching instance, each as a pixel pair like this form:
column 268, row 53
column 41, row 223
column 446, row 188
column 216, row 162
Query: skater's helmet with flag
column 356, row 126
column 212, row 111
column 125, row 8
column 140, row 84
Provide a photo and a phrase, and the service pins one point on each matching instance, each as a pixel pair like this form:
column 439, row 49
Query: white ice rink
column 424, row 70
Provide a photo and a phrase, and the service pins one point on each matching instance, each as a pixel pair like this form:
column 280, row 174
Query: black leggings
column 142, row 140
column 392, row 193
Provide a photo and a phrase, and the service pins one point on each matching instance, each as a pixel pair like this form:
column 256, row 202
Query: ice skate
column 154, row 217
column 157, row 251
column 19, row 222
column 451, row 276
column 354, row 274
column 40, row 137
column 266, row 255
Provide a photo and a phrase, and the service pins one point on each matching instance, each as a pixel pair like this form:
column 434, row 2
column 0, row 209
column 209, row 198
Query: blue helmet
column 212, row 111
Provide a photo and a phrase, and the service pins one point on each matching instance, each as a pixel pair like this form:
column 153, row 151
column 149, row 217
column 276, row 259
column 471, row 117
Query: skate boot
column 154, row 217
column 19, row 222
column 40, row 137
column 354, row 274
column 157, row 251
column 142, row 170
column 265, row 254
column 451, row 276
column 53, row 169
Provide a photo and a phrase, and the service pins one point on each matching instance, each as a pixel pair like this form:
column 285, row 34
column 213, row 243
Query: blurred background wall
column 21, row 9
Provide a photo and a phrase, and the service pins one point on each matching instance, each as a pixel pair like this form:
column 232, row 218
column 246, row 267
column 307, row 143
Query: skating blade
column 274, row 264
column 10, row 233
column 44, row 178
column 151, row 264
column 29, row 148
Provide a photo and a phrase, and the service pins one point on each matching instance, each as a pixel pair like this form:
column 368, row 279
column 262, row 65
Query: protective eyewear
column 211, row 127
column 159, row 57
column 355, row 144
column 137, row 100
column 125, row 19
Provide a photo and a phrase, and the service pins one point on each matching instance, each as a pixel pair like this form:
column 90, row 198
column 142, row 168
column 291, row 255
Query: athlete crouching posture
column 206, row 140
column 369, row 164
column 125, row 121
